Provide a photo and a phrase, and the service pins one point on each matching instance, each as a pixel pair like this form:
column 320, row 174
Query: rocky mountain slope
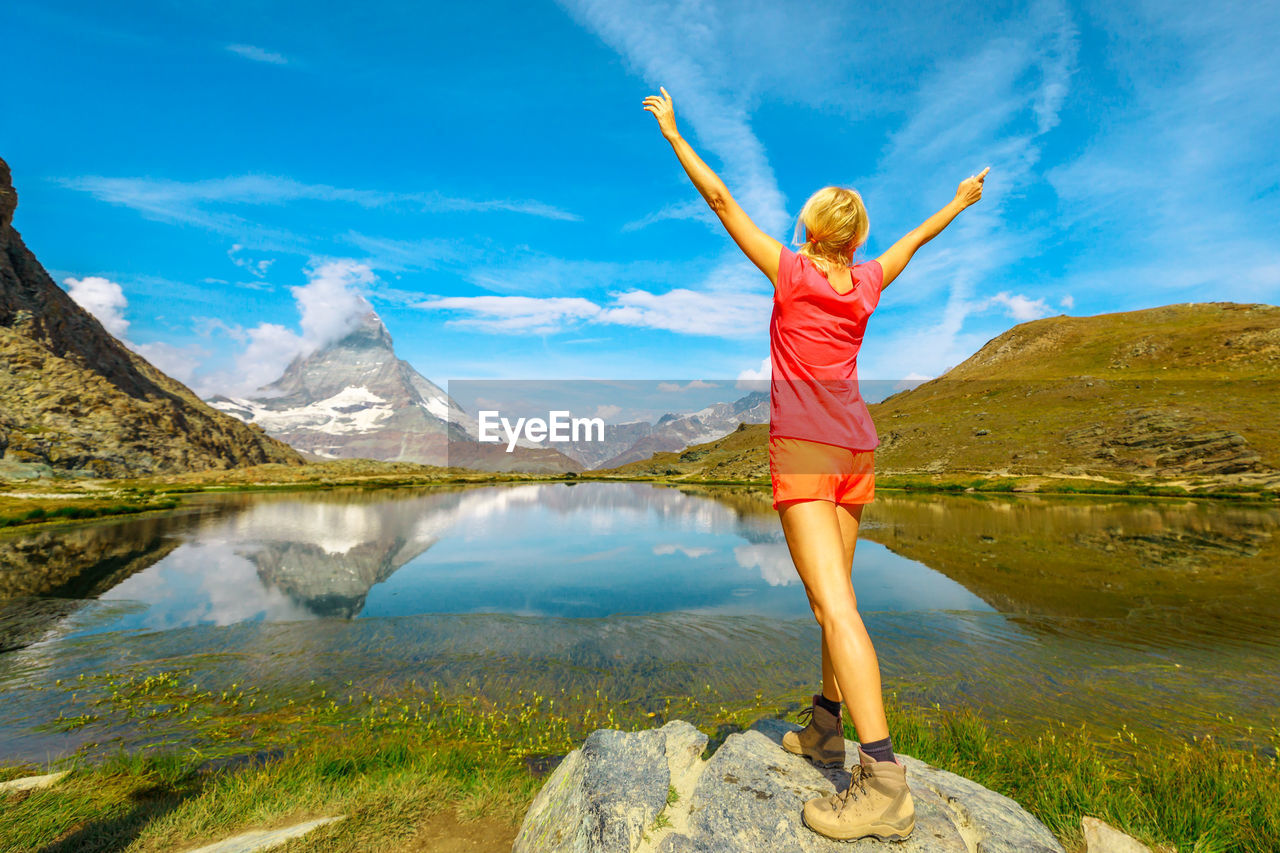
column 1181, row 394
column 74, row 399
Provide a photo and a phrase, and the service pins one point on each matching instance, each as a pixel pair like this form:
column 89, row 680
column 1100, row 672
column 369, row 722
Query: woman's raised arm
column 895, row 259
column 763, row 250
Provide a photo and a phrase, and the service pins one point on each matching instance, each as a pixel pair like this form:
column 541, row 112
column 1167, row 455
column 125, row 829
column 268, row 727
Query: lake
column 1161, row 616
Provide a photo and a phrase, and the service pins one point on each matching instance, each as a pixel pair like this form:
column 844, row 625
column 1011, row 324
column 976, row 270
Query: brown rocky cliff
column 74, row 398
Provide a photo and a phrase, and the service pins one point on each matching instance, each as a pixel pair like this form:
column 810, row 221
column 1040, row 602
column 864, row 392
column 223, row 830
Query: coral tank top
column 814, row 337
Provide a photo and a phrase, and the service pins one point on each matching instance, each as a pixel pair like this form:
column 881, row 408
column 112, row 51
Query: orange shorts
column 811, row 470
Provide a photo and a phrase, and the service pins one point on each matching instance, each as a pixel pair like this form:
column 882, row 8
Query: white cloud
column 606, row 411
column 257, row 54
column 772, row 560
column 1068, row 302
column 102, row 298
column 1019, row 307
column 105, row 300
column 753, row 378
column 330, row 305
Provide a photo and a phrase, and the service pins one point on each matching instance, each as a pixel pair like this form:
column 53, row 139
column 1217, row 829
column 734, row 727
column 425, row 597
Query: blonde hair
column 834, row 218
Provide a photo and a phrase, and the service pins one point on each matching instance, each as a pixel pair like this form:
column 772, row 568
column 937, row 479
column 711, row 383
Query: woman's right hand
column 970, row 189
column 664, row 112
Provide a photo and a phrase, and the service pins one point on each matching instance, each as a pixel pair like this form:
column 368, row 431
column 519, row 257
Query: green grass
column 72, row 513
column 1197, row 797
column 390, row 761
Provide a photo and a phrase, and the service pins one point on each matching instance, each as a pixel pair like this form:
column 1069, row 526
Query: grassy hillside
column 1180, row 395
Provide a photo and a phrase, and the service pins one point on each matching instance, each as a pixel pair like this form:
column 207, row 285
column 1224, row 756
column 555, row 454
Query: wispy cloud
column 1178, row 193
column 530, row 272
column 394, row 255
column 989, row 107
column 681, row 57
column 680, row 310
column 258, row 267
column 681, row 210
column 513, row 313
column 257, row 54
column 691, row 312
column 205, row 202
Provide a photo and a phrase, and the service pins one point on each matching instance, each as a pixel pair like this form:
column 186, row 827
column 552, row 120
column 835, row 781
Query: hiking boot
column 821, row 741
column 877, row 802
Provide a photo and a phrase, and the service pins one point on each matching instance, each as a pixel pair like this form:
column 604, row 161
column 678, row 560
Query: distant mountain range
column 1180, row 394
column 1184, row 394
column 354, row 398
column 73, row 399
column 631, row 442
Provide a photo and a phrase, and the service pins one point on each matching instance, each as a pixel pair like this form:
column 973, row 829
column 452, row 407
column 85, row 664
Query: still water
column 1159, row 616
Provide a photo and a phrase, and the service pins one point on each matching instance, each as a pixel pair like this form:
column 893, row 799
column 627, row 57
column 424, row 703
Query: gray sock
column 824, row 702
column 880, row 750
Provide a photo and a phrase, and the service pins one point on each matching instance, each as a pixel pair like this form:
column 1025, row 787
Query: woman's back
column 814, row 337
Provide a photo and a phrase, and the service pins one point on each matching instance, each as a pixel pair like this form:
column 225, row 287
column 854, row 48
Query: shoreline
column 23, row 506
column 416, row 754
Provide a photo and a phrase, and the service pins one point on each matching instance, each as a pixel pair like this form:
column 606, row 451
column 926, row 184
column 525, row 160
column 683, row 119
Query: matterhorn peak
column 353, row 397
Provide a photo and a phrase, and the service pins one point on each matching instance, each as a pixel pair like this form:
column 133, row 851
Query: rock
column 32, row 783
column 264, row 839
column 611, row 796
column 1102, row 838
column 605, row 795
column 75, row 399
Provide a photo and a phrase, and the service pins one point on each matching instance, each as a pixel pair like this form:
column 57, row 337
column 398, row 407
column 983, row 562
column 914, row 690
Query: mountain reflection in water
column 590, row 550
column 1026, row 607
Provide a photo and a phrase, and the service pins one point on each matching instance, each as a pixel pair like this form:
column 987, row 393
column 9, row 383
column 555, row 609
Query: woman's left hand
column 664, row 112
column 970, row 189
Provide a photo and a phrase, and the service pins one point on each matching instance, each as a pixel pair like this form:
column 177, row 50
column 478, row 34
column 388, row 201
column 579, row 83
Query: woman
column 821, row 453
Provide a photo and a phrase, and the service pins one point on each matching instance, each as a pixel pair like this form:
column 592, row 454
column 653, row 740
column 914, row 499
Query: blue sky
column 227, row 184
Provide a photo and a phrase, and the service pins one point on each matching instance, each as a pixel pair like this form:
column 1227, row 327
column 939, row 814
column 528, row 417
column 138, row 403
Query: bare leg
column 817, row 541
column 850, row 517
column 830, row 687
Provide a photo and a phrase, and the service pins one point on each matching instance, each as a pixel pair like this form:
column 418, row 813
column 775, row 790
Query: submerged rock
column 651, row 791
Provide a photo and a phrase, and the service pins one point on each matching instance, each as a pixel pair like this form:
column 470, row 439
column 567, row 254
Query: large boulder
column 651, row 791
